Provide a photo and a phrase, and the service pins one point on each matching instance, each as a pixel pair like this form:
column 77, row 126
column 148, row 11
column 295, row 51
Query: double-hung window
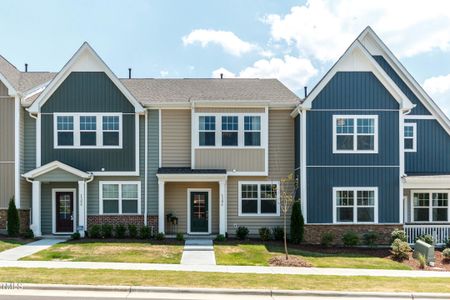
column 355, row 205
column 355, row 134
column 252, row 130
column 87, row 130
column 230, row 130
column 430, row 206
column 120, row 197
column 207, row 131
column 409, row 136
column 259, row 199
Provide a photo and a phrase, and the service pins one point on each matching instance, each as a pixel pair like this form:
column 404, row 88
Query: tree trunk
column 285, row 238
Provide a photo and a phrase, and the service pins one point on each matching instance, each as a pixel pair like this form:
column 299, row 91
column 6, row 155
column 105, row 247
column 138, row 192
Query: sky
column 294, row 41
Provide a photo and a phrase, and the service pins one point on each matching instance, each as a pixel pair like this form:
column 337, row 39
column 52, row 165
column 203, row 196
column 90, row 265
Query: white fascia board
column 379, row 48
column 53, row 166
column 85, row 59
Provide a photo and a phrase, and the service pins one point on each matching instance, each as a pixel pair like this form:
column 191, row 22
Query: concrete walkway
column 220, row 269
column 198, row 252
column 28, row 249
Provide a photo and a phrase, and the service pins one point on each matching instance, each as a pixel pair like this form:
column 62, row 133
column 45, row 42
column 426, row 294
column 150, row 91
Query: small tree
column 297, row 223
column 287, row 197
column 13, row 219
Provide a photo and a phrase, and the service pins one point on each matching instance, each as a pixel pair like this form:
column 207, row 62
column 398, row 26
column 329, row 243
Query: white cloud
column 230, row 42
column 439, row 89
column 163, row 73
column 294, row 72
column 322, row 29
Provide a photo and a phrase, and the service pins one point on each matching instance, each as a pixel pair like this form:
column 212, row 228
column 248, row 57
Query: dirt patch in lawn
column 292, row 261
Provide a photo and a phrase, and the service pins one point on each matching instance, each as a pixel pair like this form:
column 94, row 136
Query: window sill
column 258, row 215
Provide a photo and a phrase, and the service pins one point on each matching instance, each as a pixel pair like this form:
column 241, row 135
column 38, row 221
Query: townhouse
column 203, row 156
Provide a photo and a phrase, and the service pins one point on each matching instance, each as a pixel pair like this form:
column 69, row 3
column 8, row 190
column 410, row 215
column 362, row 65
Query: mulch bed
column 128, row 240
column 292, row 261
column 439, row 265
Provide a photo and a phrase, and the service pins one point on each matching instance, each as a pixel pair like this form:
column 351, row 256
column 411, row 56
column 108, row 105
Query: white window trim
column 120, row 183
column 258, row 214
column 414, row 137
column 355, row 134
column 195, row 130
column 355, row 202
column 430, row 206
column 76, row 130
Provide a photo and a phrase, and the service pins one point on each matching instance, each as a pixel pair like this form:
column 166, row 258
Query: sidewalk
column 221, row 269
column 28, row 249
column 198, row 252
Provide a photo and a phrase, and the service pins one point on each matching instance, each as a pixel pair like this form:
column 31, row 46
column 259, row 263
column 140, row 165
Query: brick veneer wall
column 313, row 233
column 24, row 218
column 137, row 220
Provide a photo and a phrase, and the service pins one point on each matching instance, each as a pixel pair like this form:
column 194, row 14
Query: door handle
column 71, row 218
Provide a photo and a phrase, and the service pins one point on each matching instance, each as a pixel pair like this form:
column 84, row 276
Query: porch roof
column 183, row 170
column 426, row 181
column 188, row 174
column 57, row 171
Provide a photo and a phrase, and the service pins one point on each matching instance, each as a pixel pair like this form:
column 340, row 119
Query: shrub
column 350, row 239
column 422, row 261
column 446, row 254
column 447, row 243
column 425, row 238
column 75, row 236
column 220, row 238
column 327, row 239
column 370, row 238
column 297, row 223
column 120, row 230
column 264, row 234
column 95, row 231
column 398, row 234
column 107, row 231
column 278, row 233
column 13, row 223
column 242, row 232
column 28, row 234
column 160, row 236
column 145, row 232
column 180, row 236
column 400, row 250
column 132, row 231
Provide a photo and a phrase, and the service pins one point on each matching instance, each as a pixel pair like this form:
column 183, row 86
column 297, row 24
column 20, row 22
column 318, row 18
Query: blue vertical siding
column 420, row 108
column 433, row 149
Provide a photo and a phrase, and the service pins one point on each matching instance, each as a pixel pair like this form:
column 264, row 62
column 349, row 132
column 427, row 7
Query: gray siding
column 153, row 161
column 29, row 157
column 7, row 128
column 3, row 90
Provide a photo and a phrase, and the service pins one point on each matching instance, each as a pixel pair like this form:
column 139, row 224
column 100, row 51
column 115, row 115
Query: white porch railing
column 440, row 233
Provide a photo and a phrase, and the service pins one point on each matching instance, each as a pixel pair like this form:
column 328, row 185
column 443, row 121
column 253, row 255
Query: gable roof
column 357, row 58
column 53, row 166
column 85, row 59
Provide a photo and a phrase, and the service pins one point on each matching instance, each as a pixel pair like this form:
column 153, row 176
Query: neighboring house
column 373, row 150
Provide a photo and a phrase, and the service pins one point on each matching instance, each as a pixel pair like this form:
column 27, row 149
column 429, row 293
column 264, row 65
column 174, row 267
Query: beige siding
column 176, row 138
column 241, row 160
column 281, row 164
column 6, row 129
column 177, row 204
column 3, row 90
column 229, row 110
column 6, row 183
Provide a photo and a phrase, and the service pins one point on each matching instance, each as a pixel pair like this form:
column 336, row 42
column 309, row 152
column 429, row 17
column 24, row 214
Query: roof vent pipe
column 221, row 75
column 129, row 73
column 26, row 67
column 306, row 91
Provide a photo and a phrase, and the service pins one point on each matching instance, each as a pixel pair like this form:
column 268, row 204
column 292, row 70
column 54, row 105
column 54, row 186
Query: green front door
column 199, row 212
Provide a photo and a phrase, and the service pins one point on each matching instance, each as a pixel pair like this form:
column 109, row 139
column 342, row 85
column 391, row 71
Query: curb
column 255, row 292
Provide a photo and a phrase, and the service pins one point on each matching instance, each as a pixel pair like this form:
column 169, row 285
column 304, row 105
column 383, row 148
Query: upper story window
column 259, row 198
column 207, row 131
column 79, row 130
column 230, row 130
column 355, row 205
column 252, row 130
column 409, row 135
column 355, row 134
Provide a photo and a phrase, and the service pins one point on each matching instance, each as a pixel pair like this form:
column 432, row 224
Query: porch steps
column 198, row 252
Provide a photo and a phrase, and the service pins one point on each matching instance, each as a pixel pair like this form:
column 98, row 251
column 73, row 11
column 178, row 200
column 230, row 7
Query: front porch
column 192, row 202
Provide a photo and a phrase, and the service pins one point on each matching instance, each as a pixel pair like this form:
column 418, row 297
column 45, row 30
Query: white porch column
column 161, row 217
column 81, row 207
column 223, row 207
column 36, row 208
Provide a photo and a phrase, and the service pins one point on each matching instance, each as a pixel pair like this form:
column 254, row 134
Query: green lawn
column 6, row 244
column 223, row 280
column 99, row 251
column 259, row 255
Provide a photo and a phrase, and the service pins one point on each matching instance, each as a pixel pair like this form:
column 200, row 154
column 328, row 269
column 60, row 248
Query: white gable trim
column 356, row 58
column 53, row 166
column 377, row 47
column 84, row 60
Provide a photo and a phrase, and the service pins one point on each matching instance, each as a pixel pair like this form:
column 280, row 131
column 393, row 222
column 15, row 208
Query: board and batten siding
column 7, row 127
column 281, row 164
column 153, row 161
column 176, row 137
column 29, row 157
column 176, row 202
column 241, row 160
